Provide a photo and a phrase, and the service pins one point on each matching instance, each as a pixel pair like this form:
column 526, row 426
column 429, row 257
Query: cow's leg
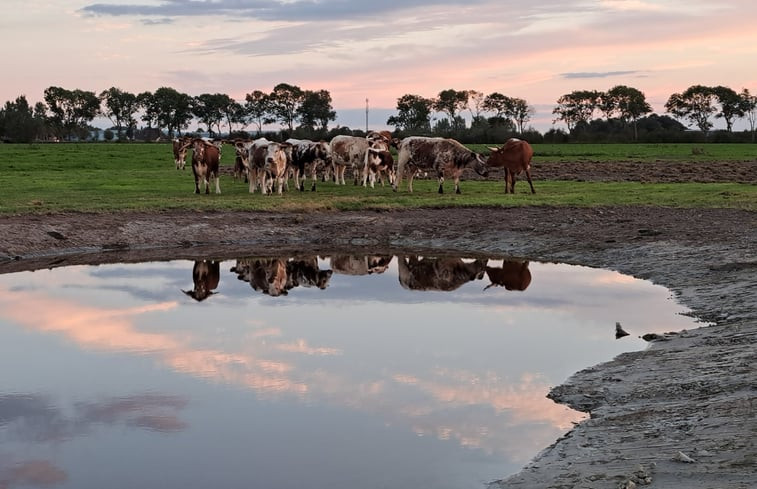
column 314, row 176
column 280, row 184
column 457, row 184
column 366, row 175
column 410, row 181
column 441, row 184
column 218, row 183
column 528, row 176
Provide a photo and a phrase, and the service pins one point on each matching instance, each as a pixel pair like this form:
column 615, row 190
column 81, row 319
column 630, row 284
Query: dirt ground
column 681, row 414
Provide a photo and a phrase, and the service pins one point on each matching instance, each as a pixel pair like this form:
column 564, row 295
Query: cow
column 378, row 161
column 347, row 151
column 512, row 275
column 244, row 152
column 277, row 276
column 384, row 136
column 439, row 155
column 205, row 160
column 359, row 265
column 515, row 157
column 205, row 274
column 307, row 153
column 180, row 147
column 305, row 272
column 443, row 274
column 271, row 162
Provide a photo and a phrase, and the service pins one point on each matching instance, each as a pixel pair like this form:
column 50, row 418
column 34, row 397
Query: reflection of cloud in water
column 255, row 368
column 37, row 473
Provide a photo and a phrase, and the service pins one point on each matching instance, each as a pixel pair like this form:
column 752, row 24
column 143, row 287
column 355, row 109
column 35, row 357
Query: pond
column 319, row 372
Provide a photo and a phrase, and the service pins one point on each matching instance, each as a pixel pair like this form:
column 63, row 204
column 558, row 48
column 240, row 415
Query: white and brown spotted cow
column 271, row 162
column 205, row 161
column 378, row 161
column 277, row 276
column 347, row 152
column 515, row 157
column 205, row 275
column 307, row 154
column 437, row 155
column 180, row 147
column 244, row 153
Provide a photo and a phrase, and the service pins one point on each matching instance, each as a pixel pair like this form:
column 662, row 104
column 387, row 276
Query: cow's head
column 479, row 166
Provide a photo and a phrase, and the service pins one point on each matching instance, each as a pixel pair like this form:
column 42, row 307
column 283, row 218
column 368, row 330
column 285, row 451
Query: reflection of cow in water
column 446, row 274
column 359, row 265
column 205, row 275
column 512, row 275
column 277, row 276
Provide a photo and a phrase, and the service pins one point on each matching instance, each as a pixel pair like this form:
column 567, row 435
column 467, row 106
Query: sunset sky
column 379, row 50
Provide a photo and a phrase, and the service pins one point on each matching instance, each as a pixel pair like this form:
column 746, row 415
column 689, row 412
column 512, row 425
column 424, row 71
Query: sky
column 380, row 50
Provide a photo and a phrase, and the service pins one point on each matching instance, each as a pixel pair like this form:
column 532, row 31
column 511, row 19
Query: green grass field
column 45, row 178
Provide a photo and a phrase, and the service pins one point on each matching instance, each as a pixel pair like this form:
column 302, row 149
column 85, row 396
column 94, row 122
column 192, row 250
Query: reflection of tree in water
column 205, row 275
column 277, row 276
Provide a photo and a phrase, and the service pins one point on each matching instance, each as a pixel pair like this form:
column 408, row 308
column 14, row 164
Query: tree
column 316, row 111
column 285, row 101
column 521, row 112
column 475, row 104
column 696, row 104
column 209, row 109
column 120, row 108
column 414, row 114
column 732, row 105
column 630, row 104
column 577, row 107
column 72, row 110
column 257, row 109
column 234, row 113
column 19, row 122
column 172, row 109
column 451, row 102
column 750, row 109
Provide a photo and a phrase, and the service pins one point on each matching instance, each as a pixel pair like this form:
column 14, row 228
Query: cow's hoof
column 458, row 191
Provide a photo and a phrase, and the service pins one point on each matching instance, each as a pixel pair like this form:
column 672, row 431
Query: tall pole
column 366, row 115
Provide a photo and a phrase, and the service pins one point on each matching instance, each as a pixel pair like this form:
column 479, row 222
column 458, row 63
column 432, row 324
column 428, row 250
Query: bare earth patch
column 681, row 414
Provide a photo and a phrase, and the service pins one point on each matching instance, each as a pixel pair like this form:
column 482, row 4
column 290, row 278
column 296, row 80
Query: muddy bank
column 690, row 396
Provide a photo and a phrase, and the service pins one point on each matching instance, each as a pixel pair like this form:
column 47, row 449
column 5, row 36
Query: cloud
column 597, row 74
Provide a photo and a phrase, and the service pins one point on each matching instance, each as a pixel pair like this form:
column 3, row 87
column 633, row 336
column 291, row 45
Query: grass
column 47, row 178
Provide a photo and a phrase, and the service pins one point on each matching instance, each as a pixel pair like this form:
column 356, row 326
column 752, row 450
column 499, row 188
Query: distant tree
column 521, row 113
column 475, row 104
column 577, row 107
column 18, row 121
column 414, row 114
column 750, row 109
column 285, row 101
column 629, row 103
column 498, row 105
column 234, row 113
column 451, row 102
column 209, row 108
column 316, row 111
column 172, row 109
column 696, row 104
column 732, row 106
column 258, row 110
column 119, row 107
column 108, row 135
column 72, row 110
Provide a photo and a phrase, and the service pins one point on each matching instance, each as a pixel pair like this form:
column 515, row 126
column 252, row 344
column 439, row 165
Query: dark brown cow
column 512, row 275
column 205, row 275
column 445, row 274
column 308, row 154
column 305, row 272
column 515, row 157
column 205, row 160
column 180, row 147
column 439, row 155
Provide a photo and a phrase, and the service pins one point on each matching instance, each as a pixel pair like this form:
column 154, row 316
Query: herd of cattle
column 265, row 163
column 275, row 276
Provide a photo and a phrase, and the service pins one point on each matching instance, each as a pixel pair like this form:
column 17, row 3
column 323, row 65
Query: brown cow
column 205, row 275
column 515, row 157
column 359, row 265
column 347, row 151
column 512, row 275
column 271, row 163
column 440, row 155
column 205, row 160
column 445, row 274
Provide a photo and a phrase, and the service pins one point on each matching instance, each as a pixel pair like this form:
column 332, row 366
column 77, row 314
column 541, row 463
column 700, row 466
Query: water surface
column 337, row 372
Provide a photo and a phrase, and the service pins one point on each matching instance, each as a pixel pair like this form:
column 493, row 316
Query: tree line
column 620, row 114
